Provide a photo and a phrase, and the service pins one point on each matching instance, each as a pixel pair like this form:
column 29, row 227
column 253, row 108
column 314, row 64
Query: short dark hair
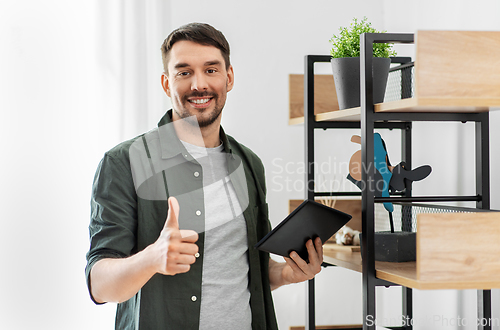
column 200, row 33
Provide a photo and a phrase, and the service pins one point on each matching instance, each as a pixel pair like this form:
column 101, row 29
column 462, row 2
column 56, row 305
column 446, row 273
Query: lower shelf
column 403, row 273
column 455, row 250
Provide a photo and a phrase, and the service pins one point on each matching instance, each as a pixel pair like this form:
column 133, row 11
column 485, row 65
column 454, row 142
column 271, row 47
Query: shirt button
column 185, row 156
column 196, row 174
column 198, row 212
column 193, row 298
column 196, row 255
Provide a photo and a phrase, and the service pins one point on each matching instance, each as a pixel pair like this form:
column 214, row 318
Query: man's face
column 197, row 81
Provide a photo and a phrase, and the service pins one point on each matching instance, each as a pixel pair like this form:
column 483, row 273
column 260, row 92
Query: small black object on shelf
column 400, row 246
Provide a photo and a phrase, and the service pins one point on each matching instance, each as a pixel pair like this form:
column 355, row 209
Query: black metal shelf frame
column 368, row 122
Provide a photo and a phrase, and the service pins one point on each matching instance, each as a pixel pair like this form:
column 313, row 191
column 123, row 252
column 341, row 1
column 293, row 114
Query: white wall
column 49, row 132
column 53, row 141
column 61, row 108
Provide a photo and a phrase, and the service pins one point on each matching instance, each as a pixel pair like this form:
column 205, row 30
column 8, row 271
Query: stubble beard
column 201, row 121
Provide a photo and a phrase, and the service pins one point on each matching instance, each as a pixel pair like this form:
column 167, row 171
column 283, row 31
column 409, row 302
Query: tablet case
column 308, row 221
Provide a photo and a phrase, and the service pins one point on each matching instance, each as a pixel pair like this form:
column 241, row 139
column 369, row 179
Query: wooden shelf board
column 349, row 260
column 403, row 273
column 444, row 72
column 436, row 105
column 296, row 121
column 331, row 245
column 405, row 105
column 467, row 255
column 352, row 114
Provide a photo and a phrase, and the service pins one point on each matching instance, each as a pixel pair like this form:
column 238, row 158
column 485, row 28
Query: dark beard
column 210, row 120
column 213, row 116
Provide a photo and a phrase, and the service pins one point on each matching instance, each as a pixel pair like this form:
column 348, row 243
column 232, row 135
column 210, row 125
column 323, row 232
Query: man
column 198, row 268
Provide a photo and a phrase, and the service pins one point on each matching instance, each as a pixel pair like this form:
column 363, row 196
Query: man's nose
column 199, row 82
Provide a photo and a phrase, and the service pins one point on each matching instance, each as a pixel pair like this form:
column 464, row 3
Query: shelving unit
column 441, row 94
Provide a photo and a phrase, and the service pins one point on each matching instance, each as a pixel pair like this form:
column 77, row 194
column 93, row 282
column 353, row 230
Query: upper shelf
column 455, row 71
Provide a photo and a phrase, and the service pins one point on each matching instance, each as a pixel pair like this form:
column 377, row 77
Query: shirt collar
column 171, row 145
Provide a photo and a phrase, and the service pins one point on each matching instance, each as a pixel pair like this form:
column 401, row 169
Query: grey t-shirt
column 225, row 298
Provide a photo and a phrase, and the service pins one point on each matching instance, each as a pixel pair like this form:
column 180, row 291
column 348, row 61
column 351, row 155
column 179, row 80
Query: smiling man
column 176, row 211
column 201, row 93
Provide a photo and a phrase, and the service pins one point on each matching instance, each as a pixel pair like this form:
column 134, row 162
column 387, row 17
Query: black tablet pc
column 308, row 221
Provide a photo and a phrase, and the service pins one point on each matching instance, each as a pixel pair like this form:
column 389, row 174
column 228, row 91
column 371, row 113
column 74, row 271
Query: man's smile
column 200, row 102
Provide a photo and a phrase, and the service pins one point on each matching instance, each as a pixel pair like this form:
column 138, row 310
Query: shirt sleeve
column 113, row 221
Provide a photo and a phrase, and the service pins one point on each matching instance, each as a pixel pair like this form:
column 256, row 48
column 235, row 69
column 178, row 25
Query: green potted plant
column 345, row 64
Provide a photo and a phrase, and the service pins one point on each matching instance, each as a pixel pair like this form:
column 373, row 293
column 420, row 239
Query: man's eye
column 183, row 73
column 211, row 71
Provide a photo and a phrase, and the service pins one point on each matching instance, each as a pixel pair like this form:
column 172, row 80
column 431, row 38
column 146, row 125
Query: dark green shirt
column 129, row 208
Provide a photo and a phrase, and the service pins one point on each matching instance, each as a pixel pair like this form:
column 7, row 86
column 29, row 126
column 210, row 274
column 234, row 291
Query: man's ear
column 230, row 78
column 165, row 84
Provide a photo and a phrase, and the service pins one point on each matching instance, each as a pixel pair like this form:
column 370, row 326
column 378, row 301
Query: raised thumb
column 173, row 211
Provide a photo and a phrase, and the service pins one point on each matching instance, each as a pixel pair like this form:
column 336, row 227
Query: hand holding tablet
column 308, row 221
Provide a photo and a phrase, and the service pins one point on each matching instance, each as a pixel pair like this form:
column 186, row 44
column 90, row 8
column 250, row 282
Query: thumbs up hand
column 174, row 249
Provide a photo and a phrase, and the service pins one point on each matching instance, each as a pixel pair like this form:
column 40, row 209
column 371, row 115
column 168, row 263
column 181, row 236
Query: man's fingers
column 178, row 269
column 315, row 251
column 189, row 235
column 301, row 263
column 173, row 212
column 297, row 269
column 292, row 264
column 319, row 248
column 187, row 248
column 182, row 259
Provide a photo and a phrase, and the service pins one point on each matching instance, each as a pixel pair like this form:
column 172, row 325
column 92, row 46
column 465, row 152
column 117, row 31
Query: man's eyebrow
column 213, row 62
column 181, row 65
column 207, row 63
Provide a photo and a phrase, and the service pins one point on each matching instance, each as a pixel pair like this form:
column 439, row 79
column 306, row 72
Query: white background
column 78, row 77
